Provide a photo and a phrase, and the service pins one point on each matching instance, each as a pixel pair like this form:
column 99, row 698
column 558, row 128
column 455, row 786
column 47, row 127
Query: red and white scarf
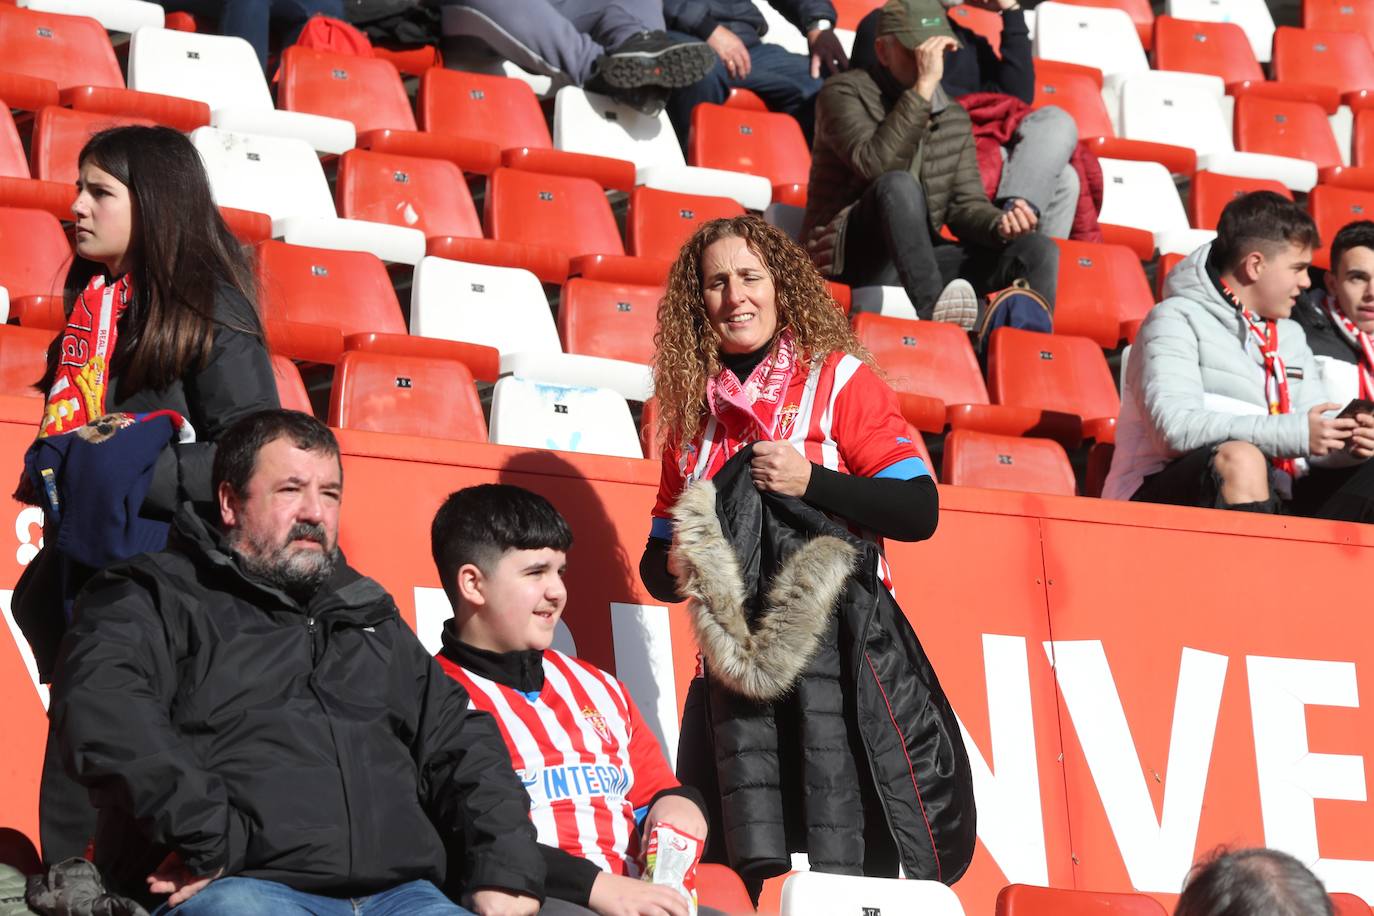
column 1358, row 339
column 78, row 390
column 1265, row 334
column 748, row 411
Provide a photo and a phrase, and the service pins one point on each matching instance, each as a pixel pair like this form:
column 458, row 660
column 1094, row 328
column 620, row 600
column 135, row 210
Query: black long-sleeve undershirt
column 903, row 510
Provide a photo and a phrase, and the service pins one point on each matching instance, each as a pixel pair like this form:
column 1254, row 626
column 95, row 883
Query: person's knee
column 1055, row 130
column 1243, row 471
column 900, row 195
column 227, row 897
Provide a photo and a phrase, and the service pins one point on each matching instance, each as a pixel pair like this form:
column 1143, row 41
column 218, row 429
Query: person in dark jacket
column 261, row 730
column 161, row 316
column 735, row 30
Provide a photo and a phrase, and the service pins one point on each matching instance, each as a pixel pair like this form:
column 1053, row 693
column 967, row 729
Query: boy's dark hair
column 1260, row 221
column 478, row 524
column 1359, row 234
column 1253, row 882
column 237, row 454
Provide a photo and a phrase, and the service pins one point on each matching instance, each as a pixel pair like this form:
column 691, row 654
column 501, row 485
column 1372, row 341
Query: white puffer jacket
column 1192, row 381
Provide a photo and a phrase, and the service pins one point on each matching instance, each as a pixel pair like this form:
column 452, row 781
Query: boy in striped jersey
column 594, row 771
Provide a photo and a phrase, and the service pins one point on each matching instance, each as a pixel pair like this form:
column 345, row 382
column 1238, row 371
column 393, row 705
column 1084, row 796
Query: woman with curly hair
column 751, row 348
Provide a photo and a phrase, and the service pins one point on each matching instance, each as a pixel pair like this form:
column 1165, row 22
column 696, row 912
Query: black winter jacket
column 824, row 727
column 315, row 745
column 700, row 17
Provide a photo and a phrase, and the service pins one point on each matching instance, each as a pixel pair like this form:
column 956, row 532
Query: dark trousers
column 782, row 79
column 888, row 242
column 66, row 818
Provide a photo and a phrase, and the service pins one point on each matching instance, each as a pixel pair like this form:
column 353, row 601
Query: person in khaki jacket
column 894, row 162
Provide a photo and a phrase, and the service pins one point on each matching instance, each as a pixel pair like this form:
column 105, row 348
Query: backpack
column 1016, row 306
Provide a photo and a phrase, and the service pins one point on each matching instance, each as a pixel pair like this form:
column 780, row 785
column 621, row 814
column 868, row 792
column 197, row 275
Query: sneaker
column 653, row 59
column 958, row 304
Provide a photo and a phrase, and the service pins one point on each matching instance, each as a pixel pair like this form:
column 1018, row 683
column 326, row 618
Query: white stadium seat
column 569, row 419
column 1101, row 38
column 889, row 301
column 283, row 178
column 224, row 73
column 584, row 122
column 4, row 305
column 1186, row 109
column 816, row 894
column 114, row 15
column 1141, row 195
column 787, row 218
column 505, row 308
column 1252, row 16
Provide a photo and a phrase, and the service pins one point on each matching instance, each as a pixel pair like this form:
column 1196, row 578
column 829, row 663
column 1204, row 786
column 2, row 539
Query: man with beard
column 261, row 731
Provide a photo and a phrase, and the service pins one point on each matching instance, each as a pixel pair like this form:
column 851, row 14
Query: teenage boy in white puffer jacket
column 1223, row 405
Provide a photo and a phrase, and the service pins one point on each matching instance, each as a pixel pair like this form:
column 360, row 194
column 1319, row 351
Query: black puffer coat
column 318, row 745
column 823, row 727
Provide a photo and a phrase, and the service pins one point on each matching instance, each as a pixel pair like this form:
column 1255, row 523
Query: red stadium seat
column 758, row 142
column 1349, row 905
column 1341, row 60
column 412, row 396
column 426, row 194
column 1362, row 144
column 249, row 226
column 1139, row 10
column 290, row 389
column 1211, row 193
column 934, row 361
column 60, row 133
column 1078, row 90
column 1054, row 372
column 1286, row 128
column 659, row 222
column 1339, row 16
column 1218, row 48
column 347, row 290
column 720, row 888
column 1167, row 263
column 980, row 21
column 505, row 114
column 851, row 12
column 974, row 459
column 17, row 187
column 44, row 312
column 1332, row 208
column 23, row 358
column 368, row 91
column 34, row 255
column 73, row 53
column 1099, row 287
column 610, row 320
column 743, row 98
column 1026, row 900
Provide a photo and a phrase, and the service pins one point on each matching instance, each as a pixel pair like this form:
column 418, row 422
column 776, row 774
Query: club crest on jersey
column 786, row 417
column 597, row 721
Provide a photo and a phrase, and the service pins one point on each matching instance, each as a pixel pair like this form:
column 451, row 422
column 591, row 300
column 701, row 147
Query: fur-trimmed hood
column 762, row 661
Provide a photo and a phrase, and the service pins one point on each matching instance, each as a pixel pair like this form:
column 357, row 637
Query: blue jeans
column 252, row 896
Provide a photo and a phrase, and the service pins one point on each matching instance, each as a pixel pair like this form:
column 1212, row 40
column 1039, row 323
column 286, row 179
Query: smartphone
column 1358, row 405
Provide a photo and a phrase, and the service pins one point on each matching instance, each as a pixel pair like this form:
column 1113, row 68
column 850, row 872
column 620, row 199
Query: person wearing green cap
column 894, row 163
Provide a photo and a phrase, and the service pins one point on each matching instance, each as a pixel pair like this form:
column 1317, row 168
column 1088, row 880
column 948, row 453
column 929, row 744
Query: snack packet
column 671, row 858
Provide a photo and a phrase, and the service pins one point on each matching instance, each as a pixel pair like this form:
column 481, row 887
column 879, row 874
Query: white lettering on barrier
column 1011, row 822
column 1157, row 853
column 25, row 522
column 1292, row 777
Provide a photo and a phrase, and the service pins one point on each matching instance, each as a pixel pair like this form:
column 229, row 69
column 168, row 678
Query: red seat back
column 1341, row 60
column 1026, row 900
column 1332, row 208
column 364, row 90
column 660, row 222
column 1284, row 128
column 1339, row 16
column 348, row 290
column 69, row 50
column 611, row 320
column 290, row 388
column 758, row 142
column 1348, row 905
column 563, row 213
column 974, row 459
column 1211, row 192
column 23, row 358
column 13, row 163
column 60, row 133
column 980, row 21
column 931, row 358
column 497, row 109
column 1099, row 287
column 1362, row 143
column 1051, row 372
column 34, row 255
column 1075, row 92
column 426, row 194
column 1218, row 48
column 409, row 395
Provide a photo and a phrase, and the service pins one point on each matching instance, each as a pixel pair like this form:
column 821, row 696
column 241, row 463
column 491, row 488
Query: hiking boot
column 648, row 100
column 958, row 304
column 652, row 59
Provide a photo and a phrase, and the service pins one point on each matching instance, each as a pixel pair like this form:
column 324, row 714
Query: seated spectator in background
column 735, row 30
column 261, row 730
column 894, row 162
column 1338, row 322
column 1252, row 882
column 617, row 49
column 256, row 21
column 1027, row 154
column 1223, row 404
column 501, row 552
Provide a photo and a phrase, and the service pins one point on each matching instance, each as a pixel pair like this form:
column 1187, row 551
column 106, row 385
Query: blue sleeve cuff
column 661, row 528
column 640, row 814
column 906, row 469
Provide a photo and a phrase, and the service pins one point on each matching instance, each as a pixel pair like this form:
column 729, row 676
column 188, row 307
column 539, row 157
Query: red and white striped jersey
column 585, row 754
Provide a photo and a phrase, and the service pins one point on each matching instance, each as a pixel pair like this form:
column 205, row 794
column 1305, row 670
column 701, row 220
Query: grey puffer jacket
column 1192, row 381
